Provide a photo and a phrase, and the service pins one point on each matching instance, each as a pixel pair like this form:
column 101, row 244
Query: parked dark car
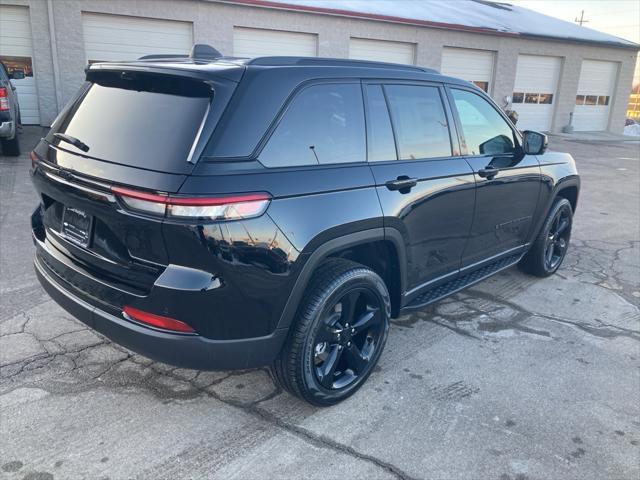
column 220, row 213
column 9, row 113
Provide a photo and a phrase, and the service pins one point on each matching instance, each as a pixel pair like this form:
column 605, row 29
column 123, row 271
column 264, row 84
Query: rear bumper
column 182, row 350
column 7, row 129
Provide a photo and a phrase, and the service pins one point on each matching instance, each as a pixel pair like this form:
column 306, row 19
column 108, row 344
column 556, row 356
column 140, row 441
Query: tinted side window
column 419, row 121
column 323, row 124
column 380, row 142
column 485, row 131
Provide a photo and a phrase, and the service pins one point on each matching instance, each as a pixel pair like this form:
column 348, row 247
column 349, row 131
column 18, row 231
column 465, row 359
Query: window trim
column 451, row 125
column 517, row 136
column 273, row 126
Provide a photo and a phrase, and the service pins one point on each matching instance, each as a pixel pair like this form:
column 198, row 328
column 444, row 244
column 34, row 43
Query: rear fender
column 325, row 250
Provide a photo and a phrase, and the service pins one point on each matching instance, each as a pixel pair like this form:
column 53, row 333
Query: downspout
column 54, row 55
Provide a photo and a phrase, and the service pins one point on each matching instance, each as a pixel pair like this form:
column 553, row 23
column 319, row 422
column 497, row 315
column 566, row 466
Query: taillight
column 34, row 160
column 4, row 100
column 232, row 207
column 154, row 320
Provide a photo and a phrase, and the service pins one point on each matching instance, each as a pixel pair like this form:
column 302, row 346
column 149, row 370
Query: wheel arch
column 569, row 188
column 569, row 191
column 354, row 246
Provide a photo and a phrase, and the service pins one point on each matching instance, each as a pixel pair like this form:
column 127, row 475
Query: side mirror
column 17, row 75
column 534, row 143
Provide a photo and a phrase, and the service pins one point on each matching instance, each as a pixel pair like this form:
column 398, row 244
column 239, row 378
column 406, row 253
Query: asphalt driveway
column 516, row 378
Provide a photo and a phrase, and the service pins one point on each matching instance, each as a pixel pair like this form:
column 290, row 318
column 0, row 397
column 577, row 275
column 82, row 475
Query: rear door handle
column 402, row 183
column 488, row 172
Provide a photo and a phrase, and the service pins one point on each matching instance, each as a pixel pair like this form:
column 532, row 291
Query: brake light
column 154, row 320
column 34, row 160
column 4, row 99
column 232, row 207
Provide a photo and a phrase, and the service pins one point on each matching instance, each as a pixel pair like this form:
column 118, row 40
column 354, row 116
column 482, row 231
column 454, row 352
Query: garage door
column 595, row 89
column 382, row 51
column 117, row 37
column 535, row 90
column 258, row 42
column 475, row 66
column 17, row 54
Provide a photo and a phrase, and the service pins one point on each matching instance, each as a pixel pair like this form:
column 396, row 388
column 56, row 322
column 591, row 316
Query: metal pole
column 54, row 57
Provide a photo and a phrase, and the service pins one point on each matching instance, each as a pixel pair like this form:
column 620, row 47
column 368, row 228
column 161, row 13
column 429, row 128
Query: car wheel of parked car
column 11, row 148
column 551, row 245
column 339, row 334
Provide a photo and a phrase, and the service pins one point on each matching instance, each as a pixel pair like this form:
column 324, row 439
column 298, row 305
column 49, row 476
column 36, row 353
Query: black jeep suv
column 220, row 213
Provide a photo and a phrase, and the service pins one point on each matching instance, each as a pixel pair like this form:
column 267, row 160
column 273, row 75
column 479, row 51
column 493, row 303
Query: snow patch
column 632, row 130
column 501, row 17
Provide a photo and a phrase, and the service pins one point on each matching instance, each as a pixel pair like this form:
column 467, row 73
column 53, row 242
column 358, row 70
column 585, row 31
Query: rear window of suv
column 138, row 119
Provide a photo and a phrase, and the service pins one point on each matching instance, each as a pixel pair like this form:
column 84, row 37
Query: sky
column 616, row 17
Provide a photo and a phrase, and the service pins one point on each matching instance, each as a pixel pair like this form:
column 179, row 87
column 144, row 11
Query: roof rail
column 199, row 51
column 343, row 62
column 157, row 56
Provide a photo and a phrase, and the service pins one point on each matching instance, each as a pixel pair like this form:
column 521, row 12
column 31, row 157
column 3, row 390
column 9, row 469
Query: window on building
column 579, row 99
column 603, row 100
column 323, row 124
column 485, row 131
column 546, row 98
column 380, row 142
column 530, row 98
column 420, row 122
column 482, row 86
column 591, row 100
column 541, row 98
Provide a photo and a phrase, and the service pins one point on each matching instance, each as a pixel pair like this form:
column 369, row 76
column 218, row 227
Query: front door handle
column 488, row 172
column 403, row 183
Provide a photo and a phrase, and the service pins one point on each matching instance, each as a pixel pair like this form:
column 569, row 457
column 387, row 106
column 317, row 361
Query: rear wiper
column 72, row 140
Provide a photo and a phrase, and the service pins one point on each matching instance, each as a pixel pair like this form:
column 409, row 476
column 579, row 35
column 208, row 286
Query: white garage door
column 597, row 81
column 258, row 42
column 475, row 66
column 535, row 90
column 17, row 54
column 382, row 51
column 117, row 37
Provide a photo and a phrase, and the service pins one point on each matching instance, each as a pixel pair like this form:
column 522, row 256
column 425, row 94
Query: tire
column 11, row 148
column 550, row 247
column 330, row 352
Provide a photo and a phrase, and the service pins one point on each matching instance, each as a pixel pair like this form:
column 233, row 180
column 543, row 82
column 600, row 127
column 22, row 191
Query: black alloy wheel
column 338, row 335
column 351, row 333
column 550, row 247
column 557, row 239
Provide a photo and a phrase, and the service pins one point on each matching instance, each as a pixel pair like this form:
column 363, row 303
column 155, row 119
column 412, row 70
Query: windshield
column 137, row 119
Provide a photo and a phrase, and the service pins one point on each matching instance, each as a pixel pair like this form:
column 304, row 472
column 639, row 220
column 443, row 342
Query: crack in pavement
column 253, row 408
column 603, row 331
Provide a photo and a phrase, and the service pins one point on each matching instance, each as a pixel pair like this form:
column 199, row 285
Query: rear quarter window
column 323, row 124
